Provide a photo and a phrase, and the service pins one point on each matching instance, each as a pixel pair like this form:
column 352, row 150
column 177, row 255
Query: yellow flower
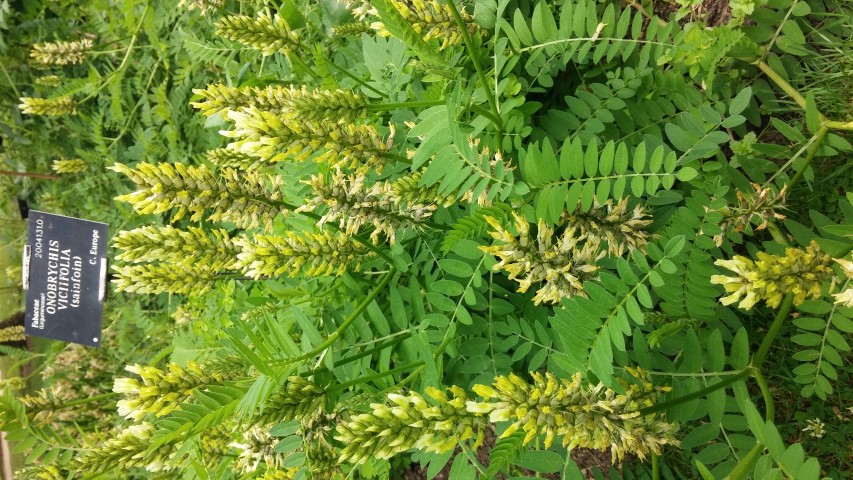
column 800, row 272
column 61, row 53
column 562, row 263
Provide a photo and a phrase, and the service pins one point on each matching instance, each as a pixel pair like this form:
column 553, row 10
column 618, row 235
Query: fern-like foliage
column 583, row 34
column 504, row 453
column 821, row 331
column 458, row 165
column 589, row 174
column 474, row 224
column 210, row 408
column 779, row 461
column 687, row 292
column 590, row 328
column 630, row 105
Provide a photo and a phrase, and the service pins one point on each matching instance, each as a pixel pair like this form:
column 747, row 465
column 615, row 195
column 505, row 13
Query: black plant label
column 65, row 278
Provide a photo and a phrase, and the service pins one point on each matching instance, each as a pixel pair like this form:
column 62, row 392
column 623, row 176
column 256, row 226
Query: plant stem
column 27, row 174
column 836, row 125
column 783, row 84
column 358, row 80
column 331, row 339
column 9, row 78
column 744, row 466
column 407, row 379
column 298, row 61
column 82, row 401
column 798, row 97
column 370, row 378
column 482, row 111
column 809, row 156
column 655, row 467
column 769, row 408
column 469, row 45
column 697, row 394
column 382, row 107
column 132, row 114
column 123, row 60
column 764, row 348
column 378, row 348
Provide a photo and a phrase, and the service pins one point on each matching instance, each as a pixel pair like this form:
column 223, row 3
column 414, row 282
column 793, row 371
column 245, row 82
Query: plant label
column 65, row 269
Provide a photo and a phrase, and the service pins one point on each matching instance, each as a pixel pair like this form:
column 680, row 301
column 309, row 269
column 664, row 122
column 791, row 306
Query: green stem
column 10, row 173
column 366, row 353
column 331, row 339
column 383, row 107
column 124, row 60
column 469, row 45
column 798, row 97
column 132, row 114
column 697, row 394
column 809, row 156
column 9, row 78
column 358, row 80
column 370, row 378
column 83, row 401
column 298, row 61
column 744, row 466
column 769, row 408
column 655, row 467
column 764, row 348
column 836, row 125
column 777, row 235
column 482, row 111
column 396, row 158
column 783, row 84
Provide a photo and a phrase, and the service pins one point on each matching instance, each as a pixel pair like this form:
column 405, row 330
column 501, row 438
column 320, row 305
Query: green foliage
column 586, row 176
column 503, row 454
column 825, row 344
column 591, row 327
column 541, row 132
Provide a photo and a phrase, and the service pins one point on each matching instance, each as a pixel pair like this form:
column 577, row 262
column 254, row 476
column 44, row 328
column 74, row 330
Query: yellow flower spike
column 432, row 20
column 269, row 34
column 800, row 272
column 352, row 205
column 245, row 198
column 53, row 107
column 417, row 423
column 563, row 266
column 61, row 53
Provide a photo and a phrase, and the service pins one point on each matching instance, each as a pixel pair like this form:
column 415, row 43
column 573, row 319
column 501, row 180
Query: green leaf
column 810, row 470
column 542, row 461
column 813, row 121
column 741, row 101
column 739, row 355
column 456, row 267
column 544, row 25
column 674, row 246
column 447, row 287
column 590, row 161
column 606, row 159
column 793, row 458
column 686, row 174
column 703, row 470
